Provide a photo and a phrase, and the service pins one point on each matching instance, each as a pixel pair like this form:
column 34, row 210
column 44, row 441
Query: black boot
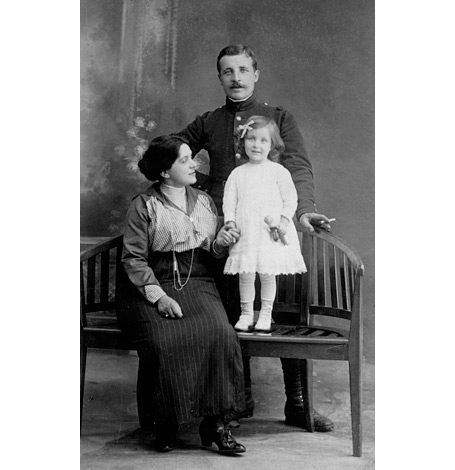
column 145, row 389
column 215, row 430
column 166, row 437
column 294, row 408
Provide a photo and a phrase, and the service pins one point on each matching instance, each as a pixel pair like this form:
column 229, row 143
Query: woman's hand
column 169, row 308
column 227, row 235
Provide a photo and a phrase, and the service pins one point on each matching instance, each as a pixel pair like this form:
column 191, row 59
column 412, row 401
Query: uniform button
column 239, row 118
column 237, row 155
column 191, row 219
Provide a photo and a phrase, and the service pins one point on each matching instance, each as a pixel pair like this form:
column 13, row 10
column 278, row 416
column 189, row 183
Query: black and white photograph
column 227, row 234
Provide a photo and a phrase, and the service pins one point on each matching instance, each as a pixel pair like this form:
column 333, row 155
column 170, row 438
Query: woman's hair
column 163, row 151
column 237, row 49
column 277, row 144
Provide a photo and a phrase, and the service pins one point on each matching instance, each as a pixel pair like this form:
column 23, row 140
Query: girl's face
column 258, row 144
column 183, row 170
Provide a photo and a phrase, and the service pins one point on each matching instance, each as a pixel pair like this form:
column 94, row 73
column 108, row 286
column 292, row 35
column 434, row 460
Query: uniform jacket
column 217, row 132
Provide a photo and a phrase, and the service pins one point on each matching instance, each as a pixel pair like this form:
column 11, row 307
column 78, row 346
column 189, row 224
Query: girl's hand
column 278, row 231
column 282, row 227
column 169, row 308
column 228, row 234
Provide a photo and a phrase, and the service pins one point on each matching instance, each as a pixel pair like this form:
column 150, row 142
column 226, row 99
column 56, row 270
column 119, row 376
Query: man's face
column 237, row 76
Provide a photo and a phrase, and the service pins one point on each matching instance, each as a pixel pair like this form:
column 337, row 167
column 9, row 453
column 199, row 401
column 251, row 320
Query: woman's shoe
column 219, row 434
column 166, row 437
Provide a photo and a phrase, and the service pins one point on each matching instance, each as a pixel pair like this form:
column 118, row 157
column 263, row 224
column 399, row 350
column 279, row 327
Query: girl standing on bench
column 260, row 200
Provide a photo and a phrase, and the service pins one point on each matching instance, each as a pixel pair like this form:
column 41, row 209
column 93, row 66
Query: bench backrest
column 329, row 292
column 100, row 271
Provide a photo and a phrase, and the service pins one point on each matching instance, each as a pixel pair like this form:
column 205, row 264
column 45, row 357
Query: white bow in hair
column 245, row 127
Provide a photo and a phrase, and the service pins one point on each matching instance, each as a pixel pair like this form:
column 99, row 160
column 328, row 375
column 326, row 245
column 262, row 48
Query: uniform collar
column 240, row 105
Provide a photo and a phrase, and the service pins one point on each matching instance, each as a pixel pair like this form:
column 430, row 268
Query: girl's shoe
column 264, row 322
column 246, row 320
column 218, row 433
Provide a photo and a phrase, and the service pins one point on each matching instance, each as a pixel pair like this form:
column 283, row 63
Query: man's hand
column 169, row 308
column 312, row 218
column 228, row 234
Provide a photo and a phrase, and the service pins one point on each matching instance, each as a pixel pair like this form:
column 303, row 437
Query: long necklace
column 176, row 273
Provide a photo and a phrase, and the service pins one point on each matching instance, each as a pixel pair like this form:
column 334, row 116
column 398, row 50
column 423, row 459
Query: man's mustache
column 236, row 85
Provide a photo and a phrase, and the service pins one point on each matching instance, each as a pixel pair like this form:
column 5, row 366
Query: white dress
column 252, row 192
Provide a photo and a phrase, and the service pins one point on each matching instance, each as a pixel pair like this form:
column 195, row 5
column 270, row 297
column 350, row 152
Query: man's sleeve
column 295, row 159
column 194, row 134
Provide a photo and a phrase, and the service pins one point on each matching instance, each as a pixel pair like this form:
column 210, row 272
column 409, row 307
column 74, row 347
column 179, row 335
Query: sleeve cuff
column 153, row 293
column 306, row 210
column 218, row 254
column 288, row 215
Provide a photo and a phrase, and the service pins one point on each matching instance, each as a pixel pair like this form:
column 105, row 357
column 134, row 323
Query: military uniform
column 217, row 132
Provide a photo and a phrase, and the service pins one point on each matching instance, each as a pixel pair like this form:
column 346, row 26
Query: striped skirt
column 195, row 363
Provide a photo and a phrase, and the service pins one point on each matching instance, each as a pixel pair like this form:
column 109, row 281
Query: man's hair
column 237, row 49
column 163, row 151
column 277, row 144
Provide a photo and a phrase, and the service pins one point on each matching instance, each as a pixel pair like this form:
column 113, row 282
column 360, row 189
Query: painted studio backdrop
column 148, row 67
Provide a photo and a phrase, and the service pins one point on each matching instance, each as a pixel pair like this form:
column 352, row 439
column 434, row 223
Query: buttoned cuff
column 220, row 253
column 153, row 293
column 306, row 210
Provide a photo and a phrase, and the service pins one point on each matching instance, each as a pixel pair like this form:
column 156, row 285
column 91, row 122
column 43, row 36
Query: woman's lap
column 197, row 358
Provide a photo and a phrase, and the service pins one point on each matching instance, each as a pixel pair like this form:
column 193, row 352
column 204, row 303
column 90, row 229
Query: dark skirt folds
column 195, row 363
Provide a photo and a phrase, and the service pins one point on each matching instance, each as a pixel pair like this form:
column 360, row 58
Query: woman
column 169, row 305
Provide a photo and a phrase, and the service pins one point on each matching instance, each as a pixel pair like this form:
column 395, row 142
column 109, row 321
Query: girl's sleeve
column 136, row 251
column 288, row 193
column 230, row 198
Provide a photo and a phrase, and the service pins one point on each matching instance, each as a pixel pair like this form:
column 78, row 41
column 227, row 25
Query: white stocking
column 268, row 287
column 246, row 287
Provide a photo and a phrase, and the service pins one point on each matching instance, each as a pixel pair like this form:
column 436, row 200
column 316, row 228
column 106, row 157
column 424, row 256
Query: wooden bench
column 318, row 315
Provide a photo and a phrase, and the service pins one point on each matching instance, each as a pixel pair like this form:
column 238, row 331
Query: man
column 217, row 132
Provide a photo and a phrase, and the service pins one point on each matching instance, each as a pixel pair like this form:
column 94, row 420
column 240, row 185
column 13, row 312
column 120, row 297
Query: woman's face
column 183, row 170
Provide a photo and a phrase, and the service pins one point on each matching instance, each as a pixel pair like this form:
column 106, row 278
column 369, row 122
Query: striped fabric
column 194, row 364
column 180, row 231
column 155, row 224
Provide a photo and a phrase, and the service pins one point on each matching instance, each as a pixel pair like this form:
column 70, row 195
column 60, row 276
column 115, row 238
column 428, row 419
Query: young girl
column 260, row 199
